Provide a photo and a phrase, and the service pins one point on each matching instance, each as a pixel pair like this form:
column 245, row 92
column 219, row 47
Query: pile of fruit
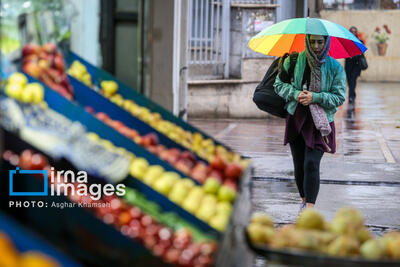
column 175, row 246
column 345, row 236
column 47, row 64
column 11, row 257
column 184, row 161
column 203, row 147
column 79, row 72
column 18, row 88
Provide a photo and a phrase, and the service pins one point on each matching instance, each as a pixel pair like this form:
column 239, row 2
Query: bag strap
column 293, row 59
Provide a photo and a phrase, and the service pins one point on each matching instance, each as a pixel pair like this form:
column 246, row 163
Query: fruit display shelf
column 148, row 134
column 77, row 113
column 203, row 218
column 72, row 227
column 171, row 129
column 25, row 241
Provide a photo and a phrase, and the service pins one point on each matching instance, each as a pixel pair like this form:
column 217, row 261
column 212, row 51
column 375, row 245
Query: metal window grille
column 209, row 32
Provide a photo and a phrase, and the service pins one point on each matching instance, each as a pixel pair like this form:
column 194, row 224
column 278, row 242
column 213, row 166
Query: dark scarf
column 315, row 62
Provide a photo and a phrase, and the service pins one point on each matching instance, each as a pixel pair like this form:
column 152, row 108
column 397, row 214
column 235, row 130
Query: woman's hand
column 305, row 98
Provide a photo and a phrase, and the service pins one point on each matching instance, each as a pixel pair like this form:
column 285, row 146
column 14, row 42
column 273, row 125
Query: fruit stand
column 187, row 196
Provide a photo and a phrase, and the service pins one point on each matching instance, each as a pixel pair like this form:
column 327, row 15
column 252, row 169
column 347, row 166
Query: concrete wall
column 85, row 30
column 381, row 68
column 161, row 52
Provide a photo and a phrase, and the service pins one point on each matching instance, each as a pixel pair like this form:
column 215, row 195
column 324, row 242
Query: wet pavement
column 364, row 172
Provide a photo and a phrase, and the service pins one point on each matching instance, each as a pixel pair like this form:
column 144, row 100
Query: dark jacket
column 352, row 64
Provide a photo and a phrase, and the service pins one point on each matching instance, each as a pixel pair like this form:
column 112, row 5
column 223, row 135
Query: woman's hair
column 353, row 27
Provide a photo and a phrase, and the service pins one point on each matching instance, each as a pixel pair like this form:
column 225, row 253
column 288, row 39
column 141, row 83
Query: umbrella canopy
column 289, row 36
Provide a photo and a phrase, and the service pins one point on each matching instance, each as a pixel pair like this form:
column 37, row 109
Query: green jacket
column 333, row 91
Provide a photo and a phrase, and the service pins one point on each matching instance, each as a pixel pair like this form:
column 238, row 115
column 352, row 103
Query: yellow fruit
column 262, row 219
column 37, row 92
column 109, row 87
column 18, row 78
column 14, row 90
column 36, row 259
column 310, row 219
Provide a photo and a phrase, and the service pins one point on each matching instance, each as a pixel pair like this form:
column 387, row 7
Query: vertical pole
column 201, row 34
column 176, row 56
column 206, row 46
column 190, row 29
column 217, row 35
column 196, row 35
column 226, row 18
column 212, row 33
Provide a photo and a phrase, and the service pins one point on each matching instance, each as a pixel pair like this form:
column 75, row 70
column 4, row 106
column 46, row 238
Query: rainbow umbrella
column 289, row 35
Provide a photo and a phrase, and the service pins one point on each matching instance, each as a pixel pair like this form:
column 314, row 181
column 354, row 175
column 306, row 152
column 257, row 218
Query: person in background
column 313, row 97
column 353, row 69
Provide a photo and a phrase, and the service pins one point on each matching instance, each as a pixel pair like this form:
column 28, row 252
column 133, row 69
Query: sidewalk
column 364, row 172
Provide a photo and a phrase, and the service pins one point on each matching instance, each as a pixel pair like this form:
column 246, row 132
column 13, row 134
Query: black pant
column 352, row 76
column 306, row 168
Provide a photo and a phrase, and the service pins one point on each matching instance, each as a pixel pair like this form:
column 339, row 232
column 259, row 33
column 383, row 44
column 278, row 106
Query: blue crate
column 24, row 241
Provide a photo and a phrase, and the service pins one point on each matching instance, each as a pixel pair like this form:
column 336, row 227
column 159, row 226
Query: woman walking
column 353, row 69
column 317, row 89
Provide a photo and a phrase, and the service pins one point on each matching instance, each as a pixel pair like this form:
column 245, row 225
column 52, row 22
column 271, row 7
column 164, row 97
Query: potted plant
column 382, row 37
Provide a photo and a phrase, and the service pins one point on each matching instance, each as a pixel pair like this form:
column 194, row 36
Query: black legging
column 306, row 169
column 352, row 76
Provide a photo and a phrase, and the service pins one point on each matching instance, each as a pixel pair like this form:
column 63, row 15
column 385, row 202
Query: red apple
column 231, row 183
column 152, row 230
column 218, row 163
column 38, row 162
column 59, row 62
column 183, row 165
column 102, row 116
column 160, row 149
column 90, row 110
column 188, row 155
column 49, row 48
column 172, row 255
column 149, row 241
column 159, row 250
column 146, row 220
column 165, row 233
column 199, row 172
column 32, row 69
column 233, row 170
column 14, row 160
column 208, row 248
column 7, row 155
column 30, row 49
column 135, row 212
column 152, row 149
column 25, row 159
column 216, row 174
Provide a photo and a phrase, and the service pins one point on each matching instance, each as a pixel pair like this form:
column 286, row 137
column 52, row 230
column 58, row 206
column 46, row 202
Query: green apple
column 109, row 87
column 224, row 207
column 18, row 78
column 14, row 90
column 226, row 193
column 173, row 176
column 152, row 174
column 37, row 92
column 209, row 200
column 211, row 186
column 139, row 167
column 107, row 144
column 191, row 204
column 206, row 212
column 188, row 183
column 164, row 185
column 178, row 193
column 219, row 222
column 26, row 95
column 93, row 136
